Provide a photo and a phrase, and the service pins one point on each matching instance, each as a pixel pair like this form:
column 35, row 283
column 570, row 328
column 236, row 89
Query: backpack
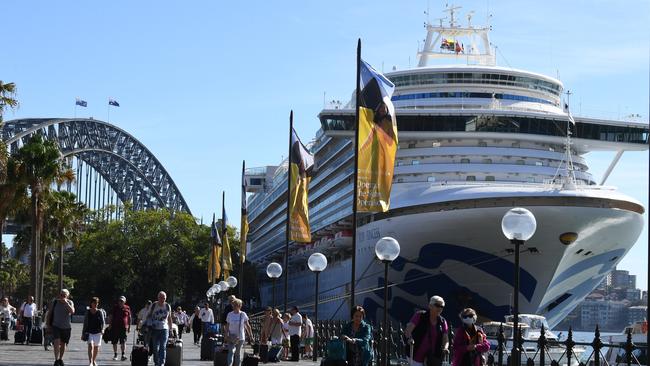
column 336, row 350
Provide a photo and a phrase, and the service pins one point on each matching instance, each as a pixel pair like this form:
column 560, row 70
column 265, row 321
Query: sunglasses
column 439, row 306
column 467, row 316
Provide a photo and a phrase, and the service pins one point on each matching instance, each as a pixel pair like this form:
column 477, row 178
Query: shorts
column 309, row 341
column 95, row 339
column 61, row 334
column 118, row 335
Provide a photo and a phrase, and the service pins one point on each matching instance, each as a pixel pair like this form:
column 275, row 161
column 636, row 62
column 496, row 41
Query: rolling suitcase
column 139, row 353
column 19, row 336
column 221, row 357
column 264, row 353
column 174, row 353
column 37, row 335
column 274, row 353
column 208, row 346
column 250, row 360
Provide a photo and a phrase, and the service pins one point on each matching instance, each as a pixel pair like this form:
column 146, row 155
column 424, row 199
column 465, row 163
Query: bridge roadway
column 21, row 355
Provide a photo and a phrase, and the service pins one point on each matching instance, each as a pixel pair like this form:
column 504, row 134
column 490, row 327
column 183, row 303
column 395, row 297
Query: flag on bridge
column 214, row 262
column 113, row 102
column 377, row 143
column 81, row 102
column 300, row 168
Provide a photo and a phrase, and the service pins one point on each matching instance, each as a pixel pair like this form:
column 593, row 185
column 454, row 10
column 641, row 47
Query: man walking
column 27, row 314
column 180, row 318
column 120, row 321
column 60, row 315
column 295, row 325
column 207, row 317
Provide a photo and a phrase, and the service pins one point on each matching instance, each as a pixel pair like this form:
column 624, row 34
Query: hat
column 122, row 298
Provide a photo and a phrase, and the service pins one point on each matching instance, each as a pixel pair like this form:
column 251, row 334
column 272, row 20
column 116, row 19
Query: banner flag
column 300, row 168
column 377, row 144
column 227, row 259
column 214, row 263
column 244, row 217
column 81, row 102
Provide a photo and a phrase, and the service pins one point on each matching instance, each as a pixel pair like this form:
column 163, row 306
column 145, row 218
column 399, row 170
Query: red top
column 430, row 337
column 121, row 316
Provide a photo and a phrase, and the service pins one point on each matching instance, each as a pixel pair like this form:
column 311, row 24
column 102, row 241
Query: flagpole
column 356, row 173
column 108, row 112
column 242, row 240
column 288, row 229
column 223, row 235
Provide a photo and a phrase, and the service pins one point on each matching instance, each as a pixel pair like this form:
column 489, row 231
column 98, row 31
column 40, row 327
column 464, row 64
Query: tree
column 7, row 100
column 40, row 167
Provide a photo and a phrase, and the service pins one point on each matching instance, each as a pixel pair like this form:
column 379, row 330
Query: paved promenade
column 77, row 354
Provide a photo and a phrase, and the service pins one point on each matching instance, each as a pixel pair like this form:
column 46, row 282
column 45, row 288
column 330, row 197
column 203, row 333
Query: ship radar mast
column 471, row 44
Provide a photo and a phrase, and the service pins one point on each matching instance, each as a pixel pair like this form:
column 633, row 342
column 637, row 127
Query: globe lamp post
column 231, row 281
column 317, row 263
column 274, row 270
column 518, row 225
column 386, row 249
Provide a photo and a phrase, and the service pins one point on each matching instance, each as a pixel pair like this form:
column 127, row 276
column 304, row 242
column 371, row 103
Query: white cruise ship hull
column 452, row 246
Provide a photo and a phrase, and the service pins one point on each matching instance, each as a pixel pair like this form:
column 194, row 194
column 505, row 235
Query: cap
column 122, row 298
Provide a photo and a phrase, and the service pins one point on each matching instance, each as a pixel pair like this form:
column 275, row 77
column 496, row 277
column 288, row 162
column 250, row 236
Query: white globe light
column 215, row 287
column 387, row 249
column 224, row 285
column 209, row 293
column 317, row 262
column 519, row 224
column 274, row 270
column 232, row 281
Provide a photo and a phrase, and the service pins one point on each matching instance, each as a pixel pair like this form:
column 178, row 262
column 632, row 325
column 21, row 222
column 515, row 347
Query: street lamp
column 317, row 263
column 231, row 281
column 274, row 270
column 518, row 225
column 386, row 249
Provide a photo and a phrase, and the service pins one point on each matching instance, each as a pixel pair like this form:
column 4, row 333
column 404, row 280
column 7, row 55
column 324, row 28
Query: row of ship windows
column 471, row 95
column 468, row 161
column 476, row 78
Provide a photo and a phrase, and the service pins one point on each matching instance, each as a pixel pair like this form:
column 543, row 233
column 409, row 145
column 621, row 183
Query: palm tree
column 7, row 100
column 41, row 165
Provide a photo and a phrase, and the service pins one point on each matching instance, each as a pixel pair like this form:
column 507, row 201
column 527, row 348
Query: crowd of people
column 427, row 331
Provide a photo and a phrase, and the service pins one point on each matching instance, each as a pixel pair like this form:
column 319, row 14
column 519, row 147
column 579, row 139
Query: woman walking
column 470, row 341
column 93, row 329
column 236, row 328
column 196, row 324
column 358, row 335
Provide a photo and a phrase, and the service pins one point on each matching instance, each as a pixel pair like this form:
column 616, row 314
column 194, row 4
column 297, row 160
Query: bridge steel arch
column 130, row 169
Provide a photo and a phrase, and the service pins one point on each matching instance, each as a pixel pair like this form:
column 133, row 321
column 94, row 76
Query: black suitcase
column 139, row 356
column 274, row 354
column 264, row 353
column 250, row 360
column 19, row 337
column 208, row 345
column 4, row 331
column 220, row 358
column 37, row 335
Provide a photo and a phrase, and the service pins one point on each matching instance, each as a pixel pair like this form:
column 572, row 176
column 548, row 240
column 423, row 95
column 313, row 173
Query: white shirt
column 6, row 310
column 295, row 329
column 309, row 329
column 206, row 315
column 28, row 310
column 236, row 323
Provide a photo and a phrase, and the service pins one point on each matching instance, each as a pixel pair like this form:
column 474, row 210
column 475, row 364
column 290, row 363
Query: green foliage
column 138, row 256
column 13, row 275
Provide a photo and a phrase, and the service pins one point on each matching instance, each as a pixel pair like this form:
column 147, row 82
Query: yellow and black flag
column 214, row 264
column 377, row 140
column 244, row 216
column 227, row 259
column 300, row 167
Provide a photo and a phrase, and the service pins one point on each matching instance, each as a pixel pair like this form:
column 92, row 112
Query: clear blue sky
column 205, row 84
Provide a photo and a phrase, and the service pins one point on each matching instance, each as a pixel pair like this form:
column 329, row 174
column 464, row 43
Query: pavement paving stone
column 77, row 354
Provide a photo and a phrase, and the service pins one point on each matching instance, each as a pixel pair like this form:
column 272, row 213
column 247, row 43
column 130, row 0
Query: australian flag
column 81, row 102
column 113, row 102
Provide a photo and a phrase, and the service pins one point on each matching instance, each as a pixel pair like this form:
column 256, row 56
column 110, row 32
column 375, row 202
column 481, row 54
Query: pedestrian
column 6, row 311
column 227, row 309
column 358, row 335
column 267, row 321
column 196, row 324
column 470, row 342
column 307, row 335
column 236, row 329
column 27, row 314
column 286, row 342
column 427, row 331
column 180, row 318
column 142, row 315
column 161, row 324
column 207, row 317
column 60, row 322
column 295, row 325
column 93, row 329
column 120, row 326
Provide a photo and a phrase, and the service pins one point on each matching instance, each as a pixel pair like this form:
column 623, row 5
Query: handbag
column 84, row 337
column 106, row 337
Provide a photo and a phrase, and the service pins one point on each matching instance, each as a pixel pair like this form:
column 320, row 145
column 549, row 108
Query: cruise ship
column 475, row 140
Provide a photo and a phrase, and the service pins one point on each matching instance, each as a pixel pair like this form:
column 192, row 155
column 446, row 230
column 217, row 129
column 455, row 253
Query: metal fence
column 540, row 352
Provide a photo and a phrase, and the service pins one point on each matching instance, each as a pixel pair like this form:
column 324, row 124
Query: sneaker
column 115, row 358
column 123, row 357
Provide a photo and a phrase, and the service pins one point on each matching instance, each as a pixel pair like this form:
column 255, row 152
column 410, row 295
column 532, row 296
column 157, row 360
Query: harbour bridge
column 112, row 167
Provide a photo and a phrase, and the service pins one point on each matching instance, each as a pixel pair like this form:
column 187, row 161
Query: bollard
column 501, row 338
column 541, row 346
column 597, row 345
